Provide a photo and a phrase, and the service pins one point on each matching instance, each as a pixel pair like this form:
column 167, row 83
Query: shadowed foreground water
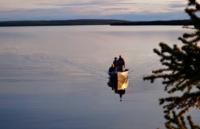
column 56, row 77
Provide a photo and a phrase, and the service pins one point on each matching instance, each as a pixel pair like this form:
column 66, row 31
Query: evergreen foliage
column 181, row 74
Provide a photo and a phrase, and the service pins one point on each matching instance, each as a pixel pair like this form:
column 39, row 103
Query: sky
column 92, row 9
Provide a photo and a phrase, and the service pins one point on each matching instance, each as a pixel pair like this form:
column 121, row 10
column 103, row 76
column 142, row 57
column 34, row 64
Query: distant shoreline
column 93, row 22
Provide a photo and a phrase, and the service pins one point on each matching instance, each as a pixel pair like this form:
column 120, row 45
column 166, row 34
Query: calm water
column 56, row 77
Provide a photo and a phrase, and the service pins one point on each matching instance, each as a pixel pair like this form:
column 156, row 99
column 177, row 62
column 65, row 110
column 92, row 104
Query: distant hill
column 61, row 22
column 159, row 22
column 91, row 22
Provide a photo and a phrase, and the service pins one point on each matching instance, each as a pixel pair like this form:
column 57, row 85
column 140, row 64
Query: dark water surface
column 56, row 77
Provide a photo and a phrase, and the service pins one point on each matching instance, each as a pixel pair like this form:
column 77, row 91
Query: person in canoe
column 121, row 64
column 112, row 70
column 115, row 63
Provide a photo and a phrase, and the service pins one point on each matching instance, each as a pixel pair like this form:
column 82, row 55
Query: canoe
column 122, row 80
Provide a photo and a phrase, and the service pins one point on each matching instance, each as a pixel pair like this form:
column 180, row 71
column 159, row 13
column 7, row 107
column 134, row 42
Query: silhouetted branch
column 175, row 121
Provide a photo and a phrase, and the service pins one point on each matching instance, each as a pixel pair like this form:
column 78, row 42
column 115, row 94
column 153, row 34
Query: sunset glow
column 70, row 9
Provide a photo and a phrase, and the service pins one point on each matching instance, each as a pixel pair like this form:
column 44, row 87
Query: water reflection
column 181, row 76
column 119, row 82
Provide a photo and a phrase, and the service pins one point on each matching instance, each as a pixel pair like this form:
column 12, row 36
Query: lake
column 56, row 77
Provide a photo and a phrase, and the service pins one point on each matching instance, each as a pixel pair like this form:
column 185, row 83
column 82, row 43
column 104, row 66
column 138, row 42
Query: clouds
column 86, row 8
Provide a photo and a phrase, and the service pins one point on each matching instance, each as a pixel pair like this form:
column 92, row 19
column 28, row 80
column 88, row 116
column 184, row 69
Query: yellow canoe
column 122, row 80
